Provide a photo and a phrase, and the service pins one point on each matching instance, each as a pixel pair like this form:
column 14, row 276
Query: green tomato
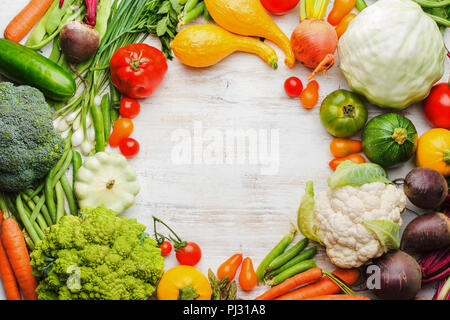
column 343, row 113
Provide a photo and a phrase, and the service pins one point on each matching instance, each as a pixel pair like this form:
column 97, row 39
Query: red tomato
column 437, row 106
column 190, row 255
column 129, row 108
column 137, row 70
column 166, row 248
column 247, row 277
column 229, row 267
column 293, row 87
column 129, row 147
column 279, row 6
column 123, row 128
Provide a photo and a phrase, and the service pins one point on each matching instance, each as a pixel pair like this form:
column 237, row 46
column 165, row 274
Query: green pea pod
column 103, row 13
column 56, row 16
column 288, row 255
column 106, row 112
column 97, row 119
column 39, row 31
column 302, row 256
column 188, row 16
column 190, row 4
column 289, row 273
column 55, row 55
column 274, row 253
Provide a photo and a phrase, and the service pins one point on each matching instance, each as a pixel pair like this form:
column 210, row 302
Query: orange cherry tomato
column 247, row 276
column 343, row 25
column 340, row 9
column 123, row 128
column 356, row 158
column 340, row 147
column 310, row 95
column 229, row 267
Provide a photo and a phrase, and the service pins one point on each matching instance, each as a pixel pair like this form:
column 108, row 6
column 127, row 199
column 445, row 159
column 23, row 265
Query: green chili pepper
column 274, row 253
column 288, row 255
column 298, row 268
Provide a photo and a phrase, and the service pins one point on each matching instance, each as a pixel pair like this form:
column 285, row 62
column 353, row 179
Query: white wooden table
column 233, row 208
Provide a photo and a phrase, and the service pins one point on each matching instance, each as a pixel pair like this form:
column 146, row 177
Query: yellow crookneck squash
column 207, row 44
column 433, row 150
column 249, row 18
column 183, row 283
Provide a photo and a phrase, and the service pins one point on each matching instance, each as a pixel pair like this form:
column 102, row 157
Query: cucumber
column 26, row 66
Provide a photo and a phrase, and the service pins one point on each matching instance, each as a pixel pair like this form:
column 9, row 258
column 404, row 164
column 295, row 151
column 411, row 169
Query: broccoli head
column 96, row 256
column 29, row 144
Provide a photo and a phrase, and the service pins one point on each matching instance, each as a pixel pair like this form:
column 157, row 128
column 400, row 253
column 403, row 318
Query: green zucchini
column 25, row 66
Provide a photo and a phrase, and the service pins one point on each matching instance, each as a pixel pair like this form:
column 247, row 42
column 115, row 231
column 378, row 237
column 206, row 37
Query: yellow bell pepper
column 183, row 283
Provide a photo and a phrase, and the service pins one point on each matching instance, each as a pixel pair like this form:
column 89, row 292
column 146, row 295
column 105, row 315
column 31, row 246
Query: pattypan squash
column 106, row 179
column 392, row 53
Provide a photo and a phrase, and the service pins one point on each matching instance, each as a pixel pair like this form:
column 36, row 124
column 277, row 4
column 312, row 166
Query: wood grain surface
column 233, row 208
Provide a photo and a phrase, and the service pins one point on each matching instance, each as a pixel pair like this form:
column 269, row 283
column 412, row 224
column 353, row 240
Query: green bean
column 37, row 209
column 106, row 112
column 50, row 198
column 39, row 225
column 59, row 201
column 190, row 4
column 442, row 21
column 24, row 218
column 207, row 15
column 192, row 14
column 69, row 195
column 288, row 255
column 302, row 256
column 360, row 5
column 182, row 2
column 63, row 169
column 39, row 31
column 34, row 193
column 274, row 253
column 77, row 162
column 44, row 209
column 97, row 119
column 292, row 271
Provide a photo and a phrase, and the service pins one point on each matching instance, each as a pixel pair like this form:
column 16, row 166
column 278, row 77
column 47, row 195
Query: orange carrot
column 325, row 286
column 21, row 24
column 7, row 274
column 297, row 280
column 16, row 248
column 339, row 297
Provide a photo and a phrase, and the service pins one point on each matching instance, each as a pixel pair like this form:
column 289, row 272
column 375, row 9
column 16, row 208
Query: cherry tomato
column 129, row 108
column 279, row 6
column 340, row 147
column 340, row 9
column 356, row 158
column 293, row 87
column 123, row 128
column 166, row 248
column 229, row 267
column 129, row 147
column 343, row 25
column 437, row 106
column 247, row 276
column 189, row 255
column 310, row 95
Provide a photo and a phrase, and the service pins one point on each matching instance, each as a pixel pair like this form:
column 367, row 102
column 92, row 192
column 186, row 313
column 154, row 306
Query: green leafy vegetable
column 349, row 173
column 387, row 232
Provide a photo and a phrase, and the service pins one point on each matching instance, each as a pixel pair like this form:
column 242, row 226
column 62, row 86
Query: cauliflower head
column 97, row 256
column 341, row 215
